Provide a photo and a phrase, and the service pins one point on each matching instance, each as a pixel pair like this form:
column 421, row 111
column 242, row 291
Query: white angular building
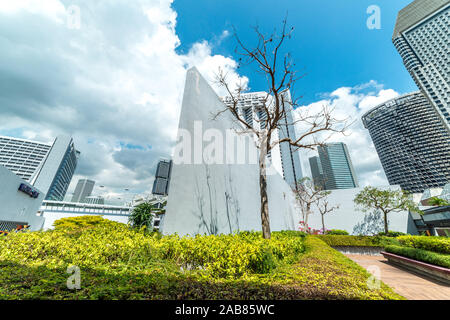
column 214, row 184
column 19, row 202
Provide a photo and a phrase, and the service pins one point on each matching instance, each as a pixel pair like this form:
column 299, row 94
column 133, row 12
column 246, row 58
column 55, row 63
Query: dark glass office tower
column 338, row 172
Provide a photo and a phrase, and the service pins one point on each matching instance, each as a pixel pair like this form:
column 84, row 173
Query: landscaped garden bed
column 366, row 245
column 422, row 254
column 117, row 262
column 430, row 270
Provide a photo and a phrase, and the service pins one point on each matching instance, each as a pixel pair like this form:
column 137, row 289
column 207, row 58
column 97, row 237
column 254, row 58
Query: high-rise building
column 283, row 156
column 22, row 156
column 83, row 190
column 56, row 171
column 421, row 36
column 338, row 172
column 47, row 167
column 411, row 142
column 162, row 178
column 317, row 172
column 94, row 200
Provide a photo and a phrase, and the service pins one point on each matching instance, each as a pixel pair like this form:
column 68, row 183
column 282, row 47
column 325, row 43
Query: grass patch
column 119, row 263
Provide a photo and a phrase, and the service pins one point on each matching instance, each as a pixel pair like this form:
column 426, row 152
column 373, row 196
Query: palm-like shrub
column 142, row 216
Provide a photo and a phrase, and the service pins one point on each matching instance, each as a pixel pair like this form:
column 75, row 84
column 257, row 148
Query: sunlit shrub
column 436, row 244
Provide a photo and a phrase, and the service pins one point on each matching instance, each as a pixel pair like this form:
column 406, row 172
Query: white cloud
column 116, row 81
column 352, row 103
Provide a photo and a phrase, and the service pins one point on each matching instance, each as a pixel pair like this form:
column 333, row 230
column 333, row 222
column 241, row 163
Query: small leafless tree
column 308, row 195
column 325, row 207
column 279, row 70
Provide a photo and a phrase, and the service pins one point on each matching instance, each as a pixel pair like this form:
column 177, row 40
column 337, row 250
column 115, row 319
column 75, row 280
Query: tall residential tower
column 421, row 36
column 411, row 142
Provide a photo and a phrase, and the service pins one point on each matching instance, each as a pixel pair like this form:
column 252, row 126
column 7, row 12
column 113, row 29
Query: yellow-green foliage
column 235, row 255
column 435, row 244
column 108, row 244
column 438, row 259
column 118, row 262
column 81, row 222
column 325, row 273
column 347, row 240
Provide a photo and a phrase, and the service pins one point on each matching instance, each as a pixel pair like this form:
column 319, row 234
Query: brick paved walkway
column 405, row 283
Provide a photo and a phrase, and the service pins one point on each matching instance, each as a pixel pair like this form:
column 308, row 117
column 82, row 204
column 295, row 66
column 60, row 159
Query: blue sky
column 331, row 42
column 115, row 80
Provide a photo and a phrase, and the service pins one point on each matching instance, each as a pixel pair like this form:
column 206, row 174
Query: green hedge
column 353, row 241
column 435, row 244
column 337, row 232
column 438, row 259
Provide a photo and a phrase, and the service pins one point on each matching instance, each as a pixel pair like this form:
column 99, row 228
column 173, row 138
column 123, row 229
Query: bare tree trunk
column 386, row 230
column 263, row 191
column 323, row 224
column 308, row 210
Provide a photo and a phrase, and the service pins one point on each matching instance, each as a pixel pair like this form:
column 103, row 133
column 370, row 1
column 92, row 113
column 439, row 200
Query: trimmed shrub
column 81, row 222
column 438, row 259
column 337, row 232
column 353, row 241
column 435, row 244
column 393, row 234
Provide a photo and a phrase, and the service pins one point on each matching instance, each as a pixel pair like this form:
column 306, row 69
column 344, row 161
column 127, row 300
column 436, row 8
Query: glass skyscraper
column 48, row 167
column 317, row 172
column 421, row 36
column 83, row 190
column 411, row 142
column 337, row 167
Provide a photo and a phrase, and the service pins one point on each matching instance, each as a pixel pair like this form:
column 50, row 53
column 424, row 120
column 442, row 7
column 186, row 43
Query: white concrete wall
column 349, row 215
column 16, row 205
column 220, row 198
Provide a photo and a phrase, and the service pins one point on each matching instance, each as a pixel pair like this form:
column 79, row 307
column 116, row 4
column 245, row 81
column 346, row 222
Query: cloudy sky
column 111, row 73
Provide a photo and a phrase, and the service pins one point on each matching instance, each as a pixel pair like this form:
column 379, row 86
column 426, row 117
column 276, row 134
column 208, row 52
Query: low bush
column 438, row 259
column 435, row 244
column 231, row 256
column 353, row 241
column 81, row 222
column 393, row 234
column 337, row 232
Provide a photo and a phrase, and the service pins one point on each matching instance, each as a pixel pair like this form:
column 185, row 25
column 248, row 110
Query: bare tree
column 308, row 195
column 279, row 71
column 325, row 207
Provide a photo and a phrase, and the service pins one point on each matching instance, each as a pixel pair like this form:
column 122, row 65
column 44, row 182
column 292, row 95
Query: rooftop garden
column 117, row 262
